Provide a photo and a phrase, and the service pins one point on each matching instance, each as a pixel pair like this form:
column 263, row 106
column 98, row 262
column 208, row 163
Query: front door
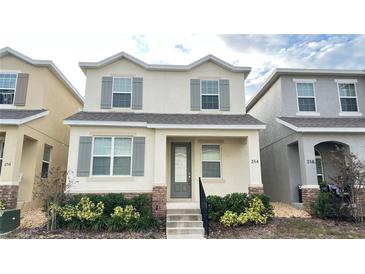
column 180, row 170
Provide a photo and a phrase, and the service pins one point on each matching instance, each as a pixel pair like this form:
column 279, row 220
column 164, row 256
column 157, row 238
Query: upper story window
column 348, row 98
column 7, row 88
column 306, row 97
column 122, row 92
column 210, row 94
column 112, row 156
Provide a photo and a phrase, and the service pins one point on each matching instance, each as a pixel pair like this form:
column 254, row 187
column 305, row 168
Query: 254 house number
column 254, row 161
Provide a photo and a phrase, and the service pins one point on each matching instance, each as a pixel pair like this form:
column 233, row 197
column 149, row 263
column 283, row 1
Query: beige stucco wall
column 164, row 91
column 45, row 91
column 238, row 149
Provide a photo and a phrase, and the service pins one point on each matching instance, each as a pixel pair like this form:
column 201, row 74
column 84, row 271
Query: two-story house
column 158, row 128
column 35, row 98
column 310, row 114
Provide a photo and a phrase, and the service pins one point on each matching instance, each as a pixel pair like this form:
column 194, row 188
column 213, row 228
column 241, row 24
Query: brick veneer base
column 255, row 190
column 309, row 195
column 9, row 194
column 159, row 201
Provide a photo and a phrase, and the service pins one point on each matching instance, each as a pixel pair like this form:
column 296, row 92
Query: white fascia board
column 24, row 120
column 87, row 65
column 321, row 129
column 159, row 126
column 46, row 63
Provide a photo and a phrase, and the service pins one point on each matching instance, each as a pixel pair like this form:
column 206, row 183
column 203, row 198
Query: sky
column 261, row 52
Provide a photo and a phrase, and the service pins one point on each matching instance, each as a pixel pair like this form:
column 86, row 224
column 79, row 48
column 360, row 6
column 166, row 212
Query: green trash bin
column 9, row 220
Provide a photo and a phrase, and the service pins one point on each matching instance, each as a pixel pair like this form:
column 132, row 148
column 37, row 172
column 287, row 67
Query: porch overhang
column 18, row 117
column 333, row 125
column 165, row 121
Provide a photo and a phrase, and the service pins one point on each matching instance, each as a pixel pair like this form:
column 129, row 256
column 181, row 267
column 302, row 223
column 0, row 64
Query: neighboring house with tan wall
column 35, row 97
column 309, row 115
column 157, row 128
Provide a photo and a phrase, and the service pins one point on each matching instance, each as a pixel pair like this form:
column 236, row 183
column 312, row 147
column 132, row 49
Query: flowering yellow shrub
column 87, row 211
column 2, row 205
column 255, row 213
column 125, row 214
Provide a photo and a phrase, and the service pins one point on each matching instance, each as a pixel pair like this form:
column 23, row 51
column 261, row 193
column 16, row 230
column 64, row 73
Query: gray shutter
column 195, row 94
column 21, row 89
column 224, row 95
column 137, row 93
column 106, row 92
column 138, row 156
column 84, row 157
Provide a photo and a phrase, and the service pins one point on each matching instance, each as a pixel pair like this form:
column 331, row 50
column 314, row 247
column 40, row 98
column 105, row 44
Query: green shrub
column 97, row 212
column 2, row 205
column 255, row 213
column 328, row 206
column 236, row 203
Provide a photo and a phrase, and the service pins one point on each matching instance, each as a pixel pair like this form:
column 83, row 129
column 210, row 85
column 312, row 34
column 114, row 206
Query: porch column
column 9, row 178
column 159, row 189
column 255, row 186
column 308, row 173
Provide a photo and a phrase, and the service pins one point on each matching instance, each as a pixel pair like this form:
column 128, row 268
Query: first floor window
column 211, row 161
column 319, row 167
column 306, row 98
column 122, row 92
column 210, row 94
column 45, row 161
column 2, row 142
column 112, row 156
column 348, row 97
column 7, row 88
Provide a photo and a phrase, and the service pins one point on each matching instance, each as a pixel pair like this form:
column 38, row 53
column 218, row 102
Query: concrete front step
column 184, row 217
column 191, row 236
column 183, row 211
column 185, row 231
column 184, row 224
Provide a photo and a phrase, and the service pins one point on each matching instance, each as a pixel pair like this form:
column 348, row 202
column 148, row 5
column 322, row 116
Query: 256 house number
column 254, row 161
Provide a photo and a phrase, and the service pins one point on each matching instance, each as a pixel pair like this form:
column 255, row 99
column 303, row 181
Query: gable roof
column 289, row 71
column 87, row 65
column 162, row 120
column 44, row 63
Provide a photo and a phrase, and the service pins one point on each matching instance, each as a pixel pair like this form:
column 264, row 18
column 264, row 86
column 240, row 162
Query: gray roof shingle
column 162, row 118
column 14, row 114
column 339, row 122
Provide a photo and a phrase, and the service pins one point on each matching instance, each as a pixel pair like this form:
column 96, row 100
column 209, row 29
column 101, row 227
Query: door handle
column 189, row 178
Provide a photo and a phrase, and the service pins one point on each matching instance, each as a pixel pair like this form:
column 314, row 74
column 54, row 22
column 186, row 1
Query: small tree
column 351, row 170
column 49, row 192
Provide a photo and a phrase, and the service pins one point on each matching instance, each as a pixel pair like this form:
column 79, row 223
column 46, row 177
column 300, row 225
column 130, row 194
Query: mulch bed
column 290, row 228
column 42, row 233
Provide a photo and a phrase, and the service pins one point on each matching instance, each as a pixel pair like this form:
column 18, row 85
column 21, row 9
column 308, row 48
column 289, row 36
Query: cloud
column 183, row 49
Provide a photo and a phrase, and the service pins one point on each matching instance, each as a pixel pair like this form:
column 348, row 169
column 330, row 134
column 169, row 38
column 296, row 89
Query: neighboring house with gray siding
column 309, row 114
column 156, row 129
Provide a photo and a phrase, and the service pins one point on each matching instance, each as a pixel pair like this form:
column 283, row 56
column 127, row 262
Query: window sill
column 7, row 106
column 308, row 113
column 213, row 180
column 350, row 113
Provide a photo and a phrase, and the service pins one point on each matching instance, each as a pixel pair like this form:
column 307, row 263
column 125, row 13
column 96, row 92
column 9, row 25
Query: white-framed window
column 2, row 144
column 348, row 96
column 46, row 161
column 209, row 94
column 211, row 161
column 306, row 96
column 319, row 166
column 112, row 156
column 122, row 92
column 7, row 88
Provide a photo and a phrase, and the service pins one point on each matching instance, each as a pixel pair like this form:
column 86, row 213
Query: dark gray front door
column 180, row 170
